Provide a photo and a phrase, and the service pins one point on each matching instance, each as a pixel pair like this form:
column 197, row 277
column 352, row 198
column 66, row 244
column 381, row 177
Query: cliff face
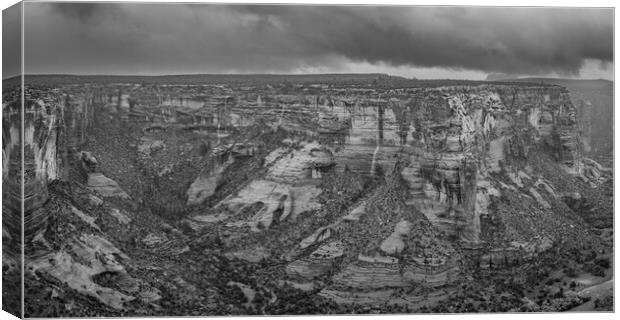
column 594, row 102
column 11, row 174
column 449, row 138
column 479, row 131
column 55, row 127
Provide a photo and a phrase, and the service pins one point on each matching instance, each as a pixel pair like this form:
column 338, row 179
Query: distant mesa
column 500, row 76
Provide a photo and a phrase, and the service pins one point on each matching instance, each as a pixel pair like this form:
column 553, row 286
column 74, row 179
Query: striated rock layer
column 347, row 190
column 453, row 137
column 54, row 129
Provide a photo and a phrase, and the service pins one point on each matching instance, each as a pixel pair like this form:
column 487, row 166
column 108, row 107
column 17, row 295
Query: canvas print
column 12, row 160
column 194, row 159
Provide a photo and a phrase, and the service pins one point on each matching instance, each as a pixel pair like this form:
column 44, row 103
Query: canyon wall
column 55, row 126
column 450, row 139
column 11, row 174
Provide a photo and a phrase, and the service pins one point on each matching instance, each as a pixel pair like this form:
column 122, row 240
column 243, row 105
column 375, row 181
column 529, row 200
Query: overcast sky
column 422, row 42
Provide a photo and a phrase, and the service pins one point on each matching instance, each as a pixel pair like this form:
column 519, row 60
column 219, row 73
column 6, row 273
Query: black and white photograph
column 197, row 159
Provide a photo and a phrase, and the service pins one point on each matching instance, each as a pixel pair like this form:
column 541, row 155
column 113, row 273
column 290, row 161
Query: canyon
column 275, row 195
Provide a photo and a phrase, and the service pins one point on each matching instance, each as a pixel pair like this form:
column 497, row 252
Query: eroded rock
column 205, row 185
column 105, row 186
column 89, row 256
column 394, row 244
column 318, row 263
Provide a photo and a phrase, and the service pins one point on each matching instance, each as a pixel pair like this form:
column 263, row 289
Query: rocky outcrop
column 294, row 165
column 96, row 181
column 120, row 216
column 515, row 254
column 374, row 273
column 386, row 272
column 289, row 201
column 11, row 174
column 287, row 189
column 207, row 182
column 170, row 245
column 54, row 128
column 253, row 255
column 574, row 200
column 319, row 263
column 357, row 213
column 105, row 186
column 87, row 257
column 394, row 244
column 149, row 145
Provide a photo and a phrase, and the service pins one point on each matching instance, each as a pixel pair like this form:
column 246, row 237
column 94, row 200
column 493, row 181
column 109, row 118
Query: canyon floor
column 255, row 196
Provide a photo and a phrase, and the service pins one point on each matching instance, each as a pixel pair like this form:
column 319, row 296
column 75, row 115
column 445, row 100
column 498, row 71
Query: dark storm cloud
column 11, row 41
column 488, row 39
column 83, row 11
column 176, row 38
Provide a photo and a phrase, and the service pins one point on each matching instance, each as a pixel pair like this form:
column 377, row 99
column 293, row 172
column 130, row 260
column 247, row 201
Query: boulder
column 573, row 200
column 89, row 161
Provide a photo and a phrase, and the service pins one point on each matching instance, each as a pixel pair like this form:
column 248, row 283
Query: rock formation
column 386, row 196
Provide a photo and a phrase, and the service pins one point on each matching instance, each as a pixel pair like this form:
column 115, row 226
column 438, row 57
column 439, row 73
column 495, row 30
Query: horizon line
column 288, row 74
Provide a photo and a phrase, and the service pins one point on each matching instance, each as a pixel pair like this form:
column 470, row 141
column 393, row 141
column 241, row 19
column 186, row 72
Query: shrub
column 595, row 270
column 606, row 303
column 603, row 262
column 570, row 272
column 590, row 256
column 204, row 148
